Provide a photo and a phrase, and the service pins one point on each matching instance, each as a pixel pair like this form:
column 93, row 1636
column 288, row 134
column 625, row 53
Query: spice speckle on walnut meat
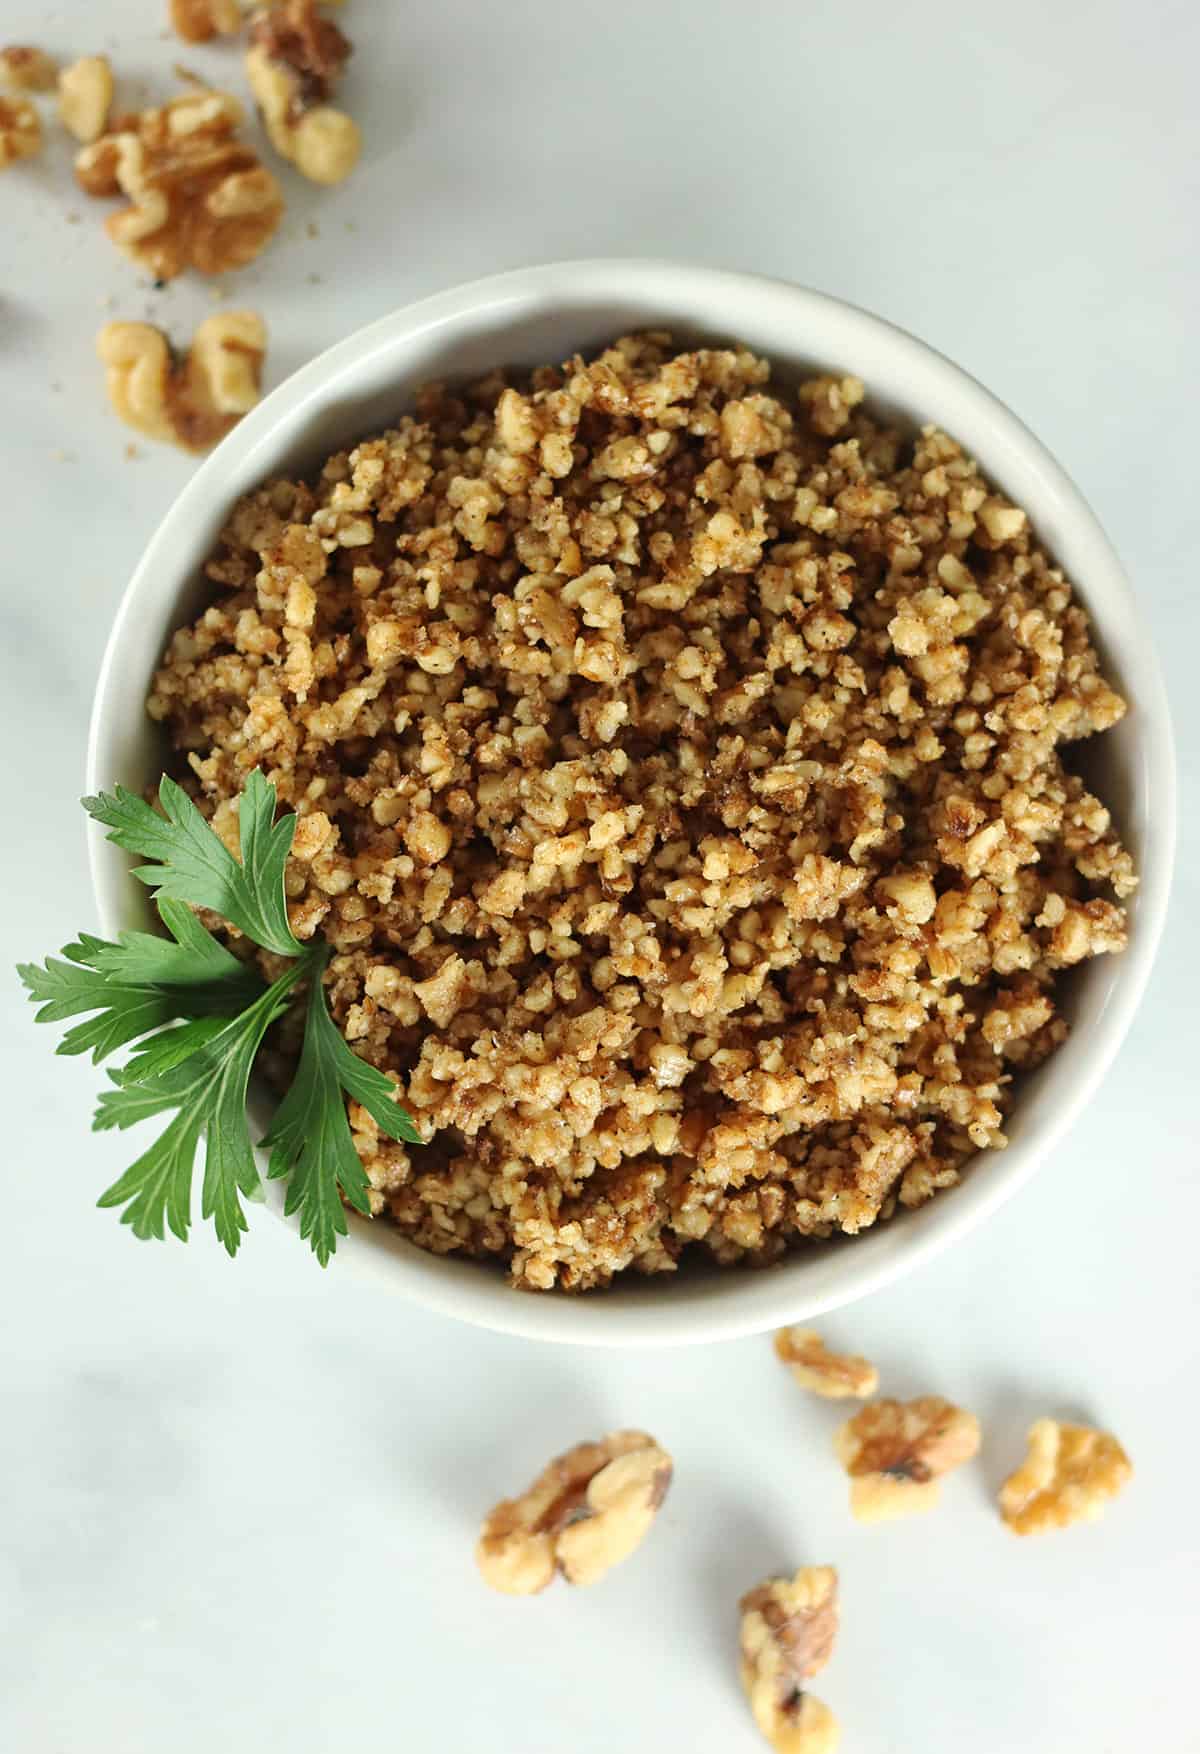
column 678, row 758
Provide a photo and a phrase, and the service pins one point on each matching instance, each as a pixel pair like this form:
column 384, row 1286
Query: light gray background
column 237, row 1503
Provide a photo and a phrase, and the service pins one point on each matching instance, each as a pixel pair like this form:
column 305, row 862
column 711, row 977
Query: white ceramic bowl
column 540, row 314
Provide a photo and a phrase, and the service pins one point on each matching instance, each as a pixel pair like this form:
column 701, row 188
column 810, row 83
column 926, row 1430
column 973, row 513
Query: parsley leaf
column 310, row 1140
column 202, row 1073
column 198, row 1016
column 137, row 984
column 192, row 863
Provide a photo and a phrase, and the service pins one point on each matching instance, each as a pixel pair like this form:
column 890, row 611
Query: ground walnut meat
column 679, row 766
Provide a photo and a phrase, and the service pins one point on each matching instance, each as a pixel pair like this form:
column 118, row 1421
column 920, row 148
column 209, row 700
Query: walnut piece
column 23, row 68
column 1068, row 1476
column 896, row 1451
column 583, row 1514
column 20, row 130
column 835, row 1375
column 294, row 60
column 199, row 197
column 194, row 401
column 85, row 94
column 788, row 1630
column 196, row 21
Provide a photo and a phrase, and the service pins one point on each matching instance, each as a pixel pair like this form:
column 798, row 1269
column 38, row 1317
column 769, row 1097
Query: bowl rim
column 661, row 1315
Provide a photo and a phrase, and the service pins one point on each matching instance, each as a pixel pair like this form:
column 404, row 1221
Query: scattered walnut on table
column 194, row 401
column 896, row 1451
column 20, row 130
column 197, row 21
column 23, row 68
column 199, row 198
column 293, row 62
column 834, row 1375
column 583, row 1514
column 1068, row 1476
column 788, row 1630
column 85, row 94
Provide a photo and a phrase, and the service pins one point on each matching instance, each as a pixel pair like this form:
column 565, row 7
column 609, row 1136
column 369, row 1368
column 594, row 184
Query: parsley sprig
column 198, row 1017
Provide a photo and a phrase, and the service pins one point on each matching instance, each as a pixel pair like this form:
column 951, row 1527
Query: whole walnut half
column 191, row 401
column 588, row 1510
column 1068, row 1476
column 896, row 1451
column 295, row 58
column 788, row 1629
column 199, row 198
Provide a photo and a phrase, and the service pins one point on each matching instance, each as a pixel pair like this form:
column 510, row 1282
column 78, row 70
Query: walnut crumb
column 788, row 1629
column 895, row 1453
column 198, row 196
column 1068, row 1476
column 834, row 1375
column 584, row 1513
column 191, row 401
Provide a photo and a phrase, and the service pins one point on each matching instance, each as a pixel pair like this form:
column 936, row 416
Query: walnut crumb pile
column 678, row 759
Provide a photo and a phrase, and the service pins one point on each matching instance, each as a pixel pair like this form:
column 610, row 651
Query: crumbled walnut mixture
column 198, row 196
column 190, row 401
column 20, row 131
column 583, row 1514
column 835, row 1375
column 679, row 765
column 895, row 1453
column 23, row 68
column 85, row 94
column 788, row 1630
column 295, row 58
column 197, row 21
column 1068, row 1476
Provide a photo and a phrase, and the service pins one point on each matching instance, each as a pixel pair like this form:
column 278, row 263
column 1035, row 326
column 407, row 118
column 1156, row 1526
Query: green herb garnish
column 198, row 1016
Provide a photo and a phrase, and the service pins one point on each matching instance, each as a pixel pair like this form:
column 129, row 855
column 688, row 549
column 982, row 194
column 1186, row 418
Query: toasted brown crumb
column 584, row 1513
column 1069, row 1476
column 833, row 1375
column 750, row 740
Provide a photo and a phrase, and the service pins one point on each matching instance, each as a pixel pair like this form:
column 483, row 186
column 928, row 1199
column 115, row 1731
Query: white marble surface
column 237, row 1501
